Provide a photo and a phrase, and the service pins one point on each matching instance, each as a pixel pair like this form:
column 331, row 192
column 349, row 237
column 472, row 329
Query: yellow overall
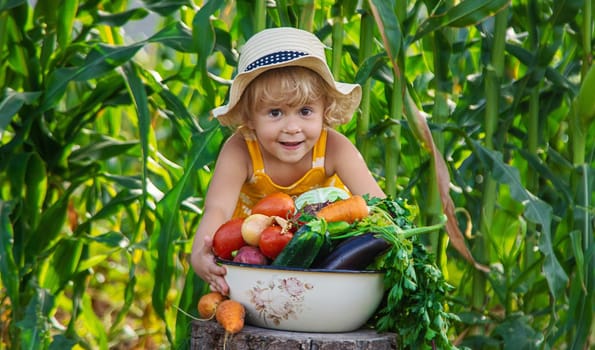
column 260, row 184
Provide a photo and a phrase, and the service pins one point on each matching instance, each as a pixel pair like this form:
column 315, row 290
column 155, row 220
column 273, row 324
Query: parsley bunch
column 416, row 289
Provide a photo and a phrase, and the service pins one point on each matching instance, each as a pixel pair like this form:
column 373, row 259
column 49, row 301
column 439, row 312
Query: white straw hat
column 282, row 47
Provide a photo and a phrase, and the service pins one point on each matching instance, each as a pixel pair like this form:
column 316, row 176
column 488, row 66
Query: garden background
column 480, row 109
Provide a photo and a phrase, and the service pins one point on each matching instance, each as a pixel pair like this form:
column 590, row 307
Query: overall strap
column 319, row 151
column 253, row 150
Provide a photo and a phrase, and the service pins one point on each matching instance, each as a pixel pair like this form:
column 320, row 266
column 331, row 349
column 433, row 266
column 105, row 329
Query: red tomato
column 275, row 204
column 273, row 240
column 228, row 238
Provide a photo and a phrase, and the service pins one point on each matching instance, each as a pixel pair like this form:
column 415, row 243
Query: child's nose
column 292, row 126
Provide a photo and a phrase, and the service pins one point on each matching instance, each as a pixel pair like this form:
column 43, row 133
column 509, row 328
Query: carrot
column 351, row 209
column 207, row 305
column 230, row 315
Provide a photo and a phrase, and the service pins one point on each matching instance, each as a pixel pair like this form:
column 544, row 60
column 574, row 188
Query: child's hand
column 206, row 267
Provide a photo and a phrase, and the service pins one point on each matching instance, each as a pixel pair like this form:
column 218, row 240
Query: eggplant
column 355, row 253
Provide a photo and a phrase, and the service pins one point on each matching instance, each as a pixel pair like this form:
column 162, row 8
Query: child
column 283, row 104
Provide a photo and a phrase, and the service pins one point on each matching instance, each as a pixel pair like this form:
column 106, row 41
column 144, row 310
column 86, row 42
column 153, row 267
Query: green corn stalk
column 307, row 12
column 494, row 73
column 388, row 16
column 366, row 41
column 3, row 40
column 393, row 137
column 260, row 11
column 337, row 37
column 420, row 129
column 587, row 36
column 532, row 128
column 532, row 181
column 582, row 116
column 441, row 52
column 281, row 6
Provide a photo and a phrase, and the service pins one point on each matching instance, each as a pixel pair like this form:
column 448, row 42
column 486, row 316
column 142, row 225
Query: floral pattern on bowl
column 279, row 298
column 304, row 300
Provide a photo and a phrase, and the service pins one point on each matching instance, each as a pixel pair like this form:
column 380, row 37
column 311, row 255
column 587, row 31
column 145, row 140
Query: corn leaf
column 536, row 211
column 465, row 13
column 176, row 35
column 166, row 7
column 120, row 19
column 36, row 186
column 203, row 32
column 388, row 26
column 8, row 4
column 47, row 233
column 94, row 324
column 12, row 103
column 67, row 14
column 168, row 226
column 34, row 326
column 8, row 267
column 101, row 150
column 112, row 207
column 586, row 104
column 194, row 288
column 62, row 265
column 566, row 11
column 421, row 130
column 101, row 60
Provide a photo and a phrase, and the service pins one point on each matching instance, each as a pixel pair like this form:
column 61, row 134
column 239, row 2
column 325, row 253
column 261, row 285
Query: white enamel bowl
column 314, row 300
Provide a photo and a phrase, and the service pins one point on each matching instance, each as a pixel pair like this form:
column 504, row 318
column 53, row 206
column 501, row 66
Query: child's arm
column 343, row 158
column 230, row 174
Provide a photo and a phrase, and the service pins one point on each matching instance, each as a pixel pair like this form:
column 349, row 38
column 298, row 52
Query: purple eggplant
column 355, row 253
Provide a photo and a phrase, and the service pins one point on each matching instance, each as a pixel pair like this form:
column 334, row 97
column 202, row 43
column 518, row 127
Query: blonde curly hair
column 292, row 86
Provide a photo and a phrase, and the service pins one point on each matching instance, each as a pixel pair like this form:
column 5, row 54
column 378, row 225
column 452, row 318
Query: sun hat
column 283, row 47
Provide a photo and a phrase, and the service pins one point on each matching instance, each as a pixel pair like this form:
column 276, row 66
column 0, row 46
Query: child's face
column 288, row 133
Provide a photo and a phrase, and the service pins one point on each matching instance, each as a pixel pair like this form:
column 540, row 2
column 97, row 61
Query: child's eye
column 275, row 113
column 306, row 111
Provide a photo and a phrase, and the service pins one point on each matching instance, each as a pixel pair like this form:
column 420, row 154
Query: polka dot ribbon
column 273, row 58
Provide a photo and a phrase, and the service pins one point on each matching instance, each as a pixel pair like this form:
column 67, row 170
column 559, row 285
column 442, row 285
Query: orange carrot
column 350, row 209
column 207, row 305
column 230, row 315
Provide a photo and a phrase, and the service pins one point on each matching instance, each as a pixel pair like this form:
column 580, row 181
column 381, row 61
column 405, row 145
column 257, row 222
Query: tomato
column 275, row 204
column 273, row 240
column 228, row 238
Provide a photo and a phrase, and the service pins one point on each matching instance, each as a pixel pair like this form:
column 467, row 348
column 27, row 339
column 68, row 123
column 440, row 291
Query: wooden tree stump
column 208, row 335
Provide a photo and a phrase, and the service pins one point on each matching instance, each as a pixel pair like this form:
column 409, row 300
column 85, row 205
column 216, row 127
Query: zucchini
column 304, row 246
column 327, row 247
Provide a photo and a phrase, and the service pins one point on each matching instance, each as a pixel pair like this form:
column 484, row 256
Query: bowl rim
column 295, row 269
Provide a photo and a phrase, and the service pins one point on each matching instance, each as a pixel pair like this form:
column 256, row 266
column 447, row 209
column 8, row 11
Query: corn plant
column 95, row 179
column 482, row 110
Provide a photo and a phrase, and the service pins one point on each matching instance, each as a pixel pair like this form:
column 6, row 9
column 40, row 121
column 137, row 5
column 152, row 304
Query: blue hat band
column 274, row 58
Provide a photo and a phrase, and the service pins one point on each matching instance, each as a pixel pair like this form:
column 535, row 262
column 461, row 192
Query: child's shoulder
column 339, row 149
column 336, row 139
column 235, row 144
column 236, row 138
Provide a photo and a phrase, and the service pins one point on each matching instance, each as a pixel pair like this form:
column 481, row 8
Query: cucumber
column 304, row 246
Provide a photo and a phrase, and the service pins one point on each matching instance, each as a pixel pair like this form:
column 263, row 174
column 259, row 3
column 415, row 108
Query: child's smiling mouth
column 291, row 143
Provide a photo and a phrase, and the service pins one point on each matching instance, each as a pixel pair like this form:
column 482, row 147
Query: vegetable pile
column 326, row 228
